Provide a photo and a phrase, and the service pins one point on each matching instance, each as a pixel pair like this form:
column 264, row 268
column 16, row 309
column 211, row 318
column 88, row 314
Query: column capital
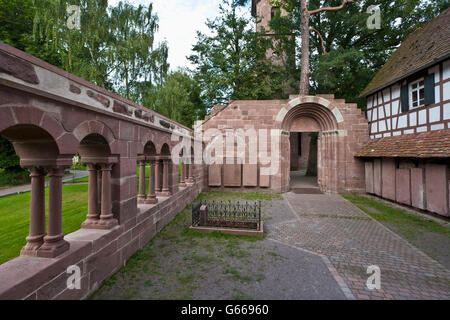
column 36, row 172
column 106, row 166
column 92, row 166
column 56, row 172
column 163, row 158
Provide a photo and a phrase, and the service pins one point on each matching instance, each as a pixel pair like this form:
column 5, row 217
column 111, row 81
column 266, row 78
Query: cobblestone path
column 350, row 240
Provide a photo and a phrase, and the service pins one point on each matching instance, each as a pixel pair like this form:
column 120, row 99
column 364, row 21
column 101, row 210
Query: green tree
column 16, row 29
column 231, row 63
column 344, row 53
column 132, row 53
column 178, row 98
column 114, row 47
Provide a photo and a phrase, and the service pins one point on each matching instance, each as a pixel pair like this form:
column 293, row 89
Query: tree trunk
column 304, row 77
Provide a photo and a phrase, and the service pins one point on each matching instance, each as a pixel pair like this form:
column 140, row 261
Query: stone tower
column 264, row 11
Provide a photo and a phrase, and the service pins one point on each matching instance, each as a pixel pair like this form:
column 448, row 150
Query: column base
column 151, row 201
column 141, row 199
column 90, row 224
column 164, row 194
column 106, row 224
column 32, row 246
column 53, row 247
column 182, row 184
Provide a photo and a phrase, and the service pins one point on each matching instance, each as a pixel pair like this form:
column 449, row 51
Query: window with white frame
column 417, row 93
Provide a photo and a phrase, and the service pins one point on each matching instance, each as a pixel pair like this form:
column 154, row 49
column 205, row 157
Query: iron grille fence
column 228, row 214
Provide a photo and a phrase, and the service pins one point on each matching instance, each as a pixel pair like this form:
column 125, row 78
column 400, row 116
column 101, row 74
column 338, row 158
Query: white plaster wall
column 446, row 91
column 387, row 108
column 395, row 91
column 395, row 107
column 402, row 122
column 422, row 117
column 435, row 114
column 413, row 119
column 447, row 111
column 446, row 71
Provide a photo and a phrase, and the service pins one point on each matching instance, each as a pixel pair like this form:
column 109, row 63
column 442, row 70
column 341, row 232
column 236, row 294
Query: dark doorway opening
column 303, row 163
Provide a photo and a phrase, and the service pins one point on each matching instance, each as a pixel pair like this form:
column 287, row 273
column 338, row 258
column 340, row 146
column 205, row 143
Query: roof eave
column 428, row 65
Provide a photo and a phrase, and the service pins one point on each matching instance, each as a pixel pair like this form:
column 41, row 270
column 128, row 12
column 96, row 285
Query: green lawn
column 406, row 224
column 147, row 175
column 14, row 218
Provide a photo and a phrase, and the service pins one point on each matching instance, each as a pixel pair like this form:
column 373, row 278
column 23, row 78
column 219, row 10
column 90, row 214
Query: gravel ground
column 179, row 264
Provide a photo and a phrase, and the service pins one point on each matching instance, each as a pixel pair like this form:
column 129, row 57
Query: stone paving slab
column 331, row 226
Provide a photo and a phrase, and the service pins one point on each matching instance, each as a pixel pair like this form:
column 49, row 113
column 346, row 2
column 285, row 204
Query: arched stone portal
column 340, row 134
column 313, row 117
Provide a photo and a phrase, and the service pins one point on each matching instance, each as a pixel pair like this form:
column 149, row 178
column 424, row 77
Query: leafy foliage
column 179, row 98
column 114, row 48
column 231, row 61
column 354, row 52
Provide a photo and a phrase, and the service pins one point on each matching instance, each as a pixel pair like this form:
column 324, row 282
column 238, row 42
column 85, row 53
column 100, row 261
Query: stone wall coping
column 42, row 64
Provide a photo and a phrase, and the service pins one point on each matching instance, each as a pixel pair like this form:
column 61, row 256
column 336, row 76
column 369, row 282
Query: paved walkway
column 350, row 240
column 300, row 180
column 27, row 188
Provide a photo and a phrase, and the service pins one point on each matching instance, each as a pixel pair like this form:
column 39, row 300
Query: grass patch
column 236, row 275
column 216, row 235
column 79, row 180
column 15, row 217
column 407, row 224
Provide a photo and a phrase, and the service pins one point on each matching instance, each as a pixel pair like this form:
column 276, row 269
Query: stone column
column 165, row 189
column 142, row 193
column 93, row 201
column 158, row 176
column 99, row 188
column 183, row 174
column 54, row 243
column 190, row 180
column 37, row 233
column 151, row 199
column 106, row 217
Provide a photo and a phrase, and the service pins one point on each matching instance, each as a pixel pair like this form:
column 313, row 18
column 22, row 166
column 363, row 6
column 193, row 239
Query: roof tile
column 435, row 144
column 421, row 48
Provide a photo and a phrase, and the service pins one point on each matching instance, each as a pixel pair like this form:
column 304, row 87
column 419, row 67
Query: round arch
column 149, row 149
column 94, row 127
column 165, row 150
column 34, row 145
column 319, row 114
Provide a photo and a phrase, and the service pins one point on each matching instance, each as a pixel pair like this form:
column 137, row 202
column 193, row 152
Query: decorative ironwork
column 196, row 213
column 227, row 214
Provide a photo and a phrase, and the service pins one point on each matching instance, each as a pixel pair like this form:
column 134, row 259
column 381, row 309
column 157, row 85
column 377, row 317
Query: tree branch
column 344, row 3
column 321, row 39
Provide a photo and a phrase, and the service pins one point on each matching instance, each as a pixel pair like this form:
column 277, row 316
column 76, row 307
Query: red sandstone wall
column 424, row 187
column 339, row 170
column 303, row 159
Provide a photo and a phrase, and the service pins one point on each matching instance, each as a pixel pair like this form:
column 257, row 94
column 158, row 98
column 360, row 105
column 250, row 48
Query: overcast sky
column 178, row 22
